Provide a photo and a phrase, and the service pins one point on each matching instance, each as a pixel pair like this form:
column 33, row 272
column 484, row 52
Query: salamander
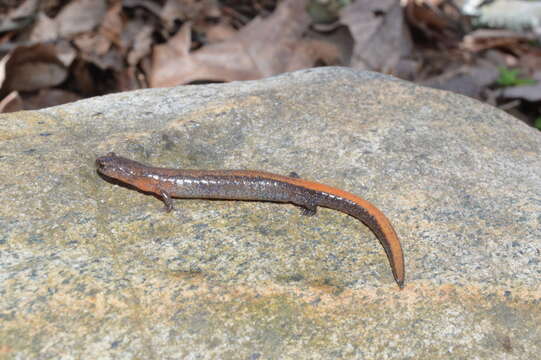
column 254, row 185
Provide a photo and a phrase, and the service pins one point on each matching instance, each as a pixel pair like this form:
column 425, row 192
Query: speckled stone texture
column 89, row 269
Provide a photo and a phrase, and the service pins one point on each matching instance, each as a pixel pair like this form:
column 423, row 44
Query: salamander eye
column 111, row 154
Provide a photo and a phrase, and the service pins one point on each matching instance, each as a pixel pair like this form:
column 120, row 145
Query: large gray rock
column 89, row 269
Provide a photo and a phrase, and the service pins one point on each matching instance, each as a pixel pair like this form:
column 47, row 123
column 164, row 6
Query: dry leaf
column 467, row 80
column 531, row 59
column 188, row 10
column 11, row 103
column 425, row 15
column 49, row 97
column 97, row 48
column 526, row 92
column 92, row 43
column 31, row 68
column 308, row 50
column 3, row 63
column 142, row 45
column 45, row 29
column 127, row 80
column 80, row 16
column 483, row 39
column 270, row 42
column 172, row 63
column 262, row 48
column 131, row 30
column 20, row 17
column 113, row 24
column 65, row 53
column 148, row 5
column 83, row 80
column 219, row 32
column 380, row 34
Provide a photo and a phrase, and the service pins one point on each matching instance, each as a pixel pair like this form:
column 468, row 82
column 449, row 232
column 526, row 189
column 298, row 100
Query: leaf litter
column 58, row 51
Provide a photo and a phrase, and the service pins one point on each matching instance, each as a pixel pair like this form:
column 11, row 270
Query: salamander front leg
column 167, row 200
column 294, row 175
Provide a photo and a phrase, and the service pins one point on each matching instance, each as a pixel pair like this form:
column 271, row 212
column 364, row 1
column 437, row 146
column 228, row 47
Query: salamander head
column 120, row 168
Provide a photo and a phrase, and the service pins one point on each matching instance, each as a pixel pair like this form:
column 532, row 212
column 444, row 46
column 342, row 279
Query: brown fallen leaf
column 437, row 19
column 262, row 48
column 65, row 52
column 83, row 81
column 79, row 16
column 308, row 50
column 131, row 30
column 113, row 24
column 29, row 68
column 20, row 17
column 148, row 5
column 141, row 45
column 484, row 39
column 49, row 97
column 103, row 47
column 526, row 92
column 11, row 103
column 96, row 49
column 173, row 64
column 45, row 29
column 128, row 79
column 466, row 80
column 219, row 32
column 380, row 33
column 531, row 59
column 188, row 10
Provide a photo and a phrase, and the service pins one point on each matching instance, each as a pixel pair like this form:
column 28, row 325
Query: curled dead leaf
column 188, row 10
column 113, row 24
column 11, row 103
column 20, row 17
column 142, row 45
column 45, row 29
column 466, row 80
column 80, row 16
column 29, row 68
column 436, row 18
column 313, row 49
column 173, row 64
column 49, row 97
column 219, row 32
column 483, row 39
column 96, row 49
column 264, row 47
column 380, row 33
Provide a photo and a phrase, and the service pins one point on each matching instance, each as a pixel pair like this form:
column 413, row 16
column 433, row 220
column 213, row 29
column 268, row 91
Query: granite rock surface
column 90, row 269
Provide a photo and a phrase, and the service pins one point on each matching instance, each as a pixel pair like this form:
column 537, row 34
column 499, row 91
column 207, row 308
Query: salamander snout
column 118, row 167
column 108, row 164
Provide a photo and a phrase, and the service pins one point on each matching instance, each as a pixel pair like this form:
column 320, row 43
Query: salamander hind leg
column 303, row 200
column 308, row 209
column 167, row 200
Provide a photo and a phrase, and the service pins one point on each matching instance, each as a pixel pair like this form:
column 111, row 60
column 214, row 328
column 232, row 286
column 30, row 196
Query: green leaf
column 537, row 123
column 510, row 77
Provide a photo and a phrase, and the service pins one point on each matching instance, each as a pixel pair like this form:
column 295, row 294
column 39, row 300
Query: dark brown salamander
column 254, row 185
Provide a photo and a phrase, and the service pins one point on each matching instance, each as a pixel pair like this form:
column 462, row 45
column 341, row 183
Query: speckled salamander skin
column 254, row 185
